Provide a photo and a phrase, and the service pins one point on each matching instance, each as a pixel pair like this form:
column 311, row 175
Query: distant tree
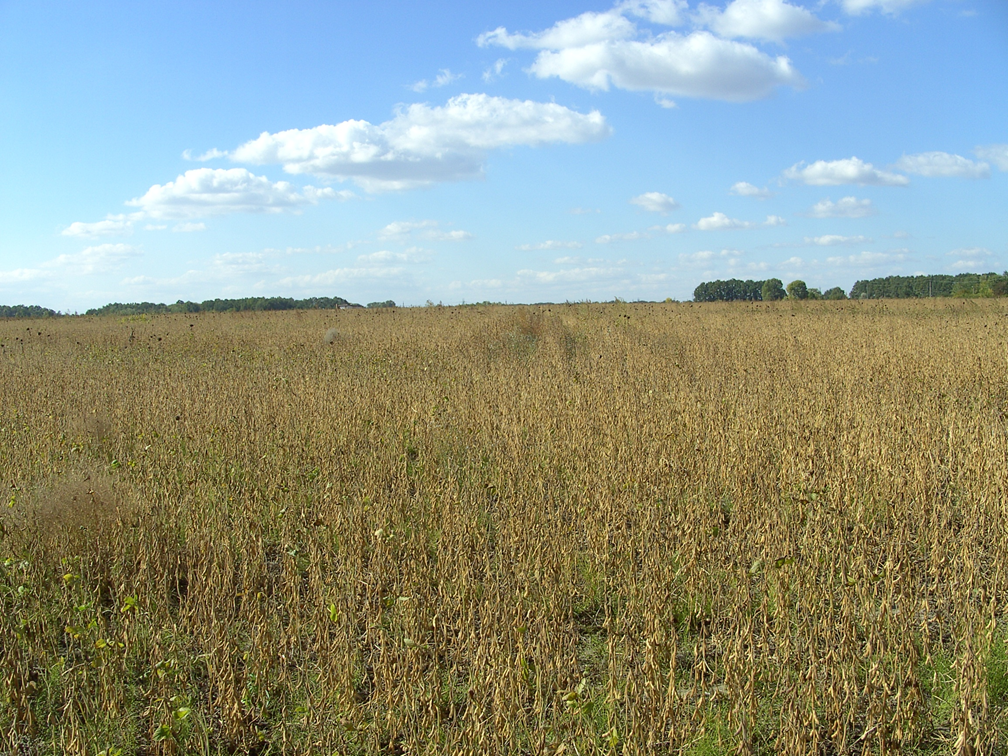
column 797, row 290
column 731, row 290
column 386, row 303
column 814, row 293
column 835, row 293
column 26, row 311
column 772, row 290
column 941, row 285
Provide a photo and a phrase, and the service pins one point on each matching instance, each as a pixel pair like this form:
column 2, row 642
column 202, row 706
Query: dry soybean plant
column 577, row 529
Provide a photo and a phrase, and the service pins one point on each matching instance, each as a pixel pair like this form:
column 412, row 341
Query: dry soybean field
column 563, row 529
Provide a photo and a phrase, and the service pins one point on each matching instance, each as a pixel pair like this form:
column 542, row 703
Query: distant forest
column 890, row 287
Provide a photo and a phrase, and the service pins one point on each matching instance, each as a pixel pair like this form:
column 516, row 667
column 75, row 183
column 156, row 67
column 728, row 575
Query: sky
column 512, row 152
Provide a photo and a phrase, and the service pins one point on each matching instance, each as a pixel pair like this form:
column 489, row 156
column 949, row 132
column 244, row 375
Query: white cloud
column 581, row 30
column 721, row 222
column 745, row 189
column 707, row 256
column 769, row 20
column 188, row 227
column 384, row 255
column 550, row 244
column 934, row 164
column 671, row 228
column 847, row 171
column 599, row 50
column 229, row 264
column 114, row 225
column 871, row 259
column 655, row 202
column 97, row 259
column 970, row 258
column 423, row 144
column 443, row 78
column 217, row 191
column 996, row 153
column 584, row 210
column 697, row 65
column 426, row 229
column 494, row 71
column 21, row 275
column 833, row 240
column 211, row 154
column 341, row 275
column 629, row 236
column 892, row 7
column 846, row 207
column 567, row 275
column 664, row 12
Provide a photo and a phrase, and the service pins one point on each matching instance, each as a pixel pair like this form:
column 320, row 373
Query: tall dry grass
column 565, row 529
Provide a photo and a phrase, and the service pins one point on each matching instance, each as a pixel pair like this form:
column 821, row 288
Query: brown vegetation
column 763, row 528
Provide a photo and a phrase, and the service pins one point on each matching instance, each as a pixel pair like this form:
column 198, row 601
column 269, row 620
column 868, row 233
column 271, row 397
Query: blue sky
column 504, row 151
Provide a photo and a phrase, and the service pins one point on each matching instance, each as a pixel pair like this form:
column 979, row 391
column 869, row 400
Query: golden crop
column 576, row 529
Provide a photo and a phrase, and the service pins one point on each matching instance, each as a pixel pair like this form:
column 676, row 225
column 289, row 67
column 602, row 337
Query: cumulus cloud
column 707, row 256
column 600, row 50
column 549, row 245
column 629, row 236
column 871, row 259
column 942, row 164
column 832, row 240
column 114, row 225
column 970, row 258
column 204, row 192
column 100, row 258
column 892, row 7
column 426, row 229
column 837, row 172
column 721, row 222
column 186, row 228
column 494, row 71
column 567, row 275
column 745, row 189
column 585, row 29
column 846, row 207
column 444, row 77
column 655, row 202
column 423, row 144
column 769, row 20
column 342, row 275
column 671, row 228
column 97, row 259
column 413, row 254
column 210, row 154
column 996, row 153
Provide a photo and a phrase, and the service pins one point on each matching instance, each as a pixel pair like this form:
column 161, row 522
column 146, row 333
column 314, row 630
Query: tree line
column 770, row 290
column 890, row 287
column 245, row 304
column 918, row 287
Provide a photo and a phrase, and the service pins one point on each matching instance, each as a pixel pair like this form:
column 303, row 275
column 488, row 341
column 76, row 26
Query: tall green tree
column 797, row 290
column 773, row 290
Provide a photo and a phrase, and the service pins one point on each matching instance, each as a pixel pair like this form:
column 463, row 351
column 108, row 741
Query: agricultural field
column 568, row 529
